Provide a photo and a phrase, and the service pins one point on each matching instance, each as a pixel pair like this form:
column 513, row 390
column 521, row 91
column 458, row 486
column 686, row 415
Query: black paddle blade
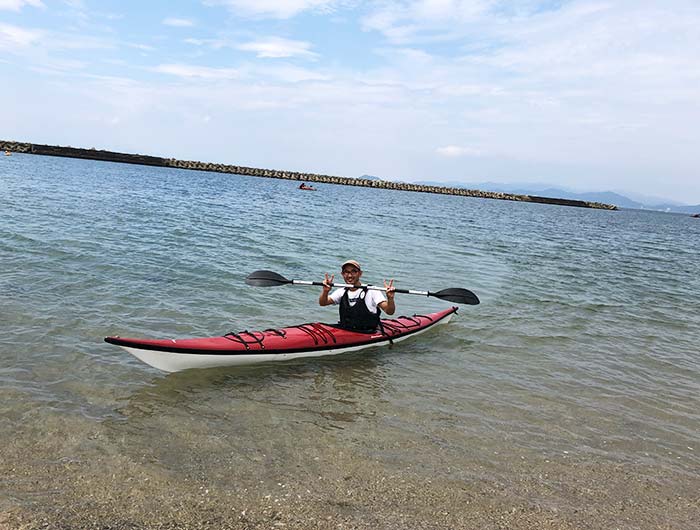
column 457, row 295
column 266, row 279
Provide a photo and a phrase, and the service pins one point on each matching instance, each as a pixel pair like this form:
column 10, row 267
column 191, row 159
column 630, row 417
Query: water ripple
column 585, row 341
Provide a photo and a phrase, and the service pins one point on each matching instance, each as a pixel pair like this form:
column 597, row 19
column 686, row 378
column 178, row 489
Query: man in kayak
column 359, row 307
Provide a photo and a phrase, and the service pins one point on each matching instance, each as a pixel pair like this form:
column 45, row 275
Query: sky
column 587, row 95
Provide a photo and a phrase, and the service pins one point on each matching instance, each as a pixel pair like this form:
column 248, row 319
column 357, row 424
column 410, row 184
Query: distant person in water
column 359, row 306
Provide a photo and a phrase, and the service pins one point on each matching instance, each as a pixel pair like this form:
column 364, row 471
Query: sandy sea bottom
column 180, row 470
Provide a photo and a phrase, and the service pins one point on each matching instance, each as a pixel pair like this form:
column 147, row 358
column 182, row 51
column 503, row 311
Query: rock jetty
column 146, row 160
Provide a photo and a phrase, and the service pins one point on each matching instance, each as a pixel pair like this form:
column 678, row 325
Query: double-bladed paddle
column 272, row 279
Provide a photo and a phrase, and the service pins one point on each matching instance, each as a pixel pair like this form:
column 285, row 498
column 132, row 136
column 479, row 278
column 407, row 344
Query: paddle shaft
column 373, row 287
column 267, row 278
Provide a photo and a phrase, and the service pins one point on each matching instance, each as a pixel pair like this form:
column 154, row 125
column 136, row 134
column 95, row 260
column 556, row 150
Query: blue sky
column 582, row 94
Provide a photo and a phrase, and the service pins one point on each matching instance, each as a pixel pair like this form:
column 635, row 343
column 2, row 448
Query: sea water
column 584, row 347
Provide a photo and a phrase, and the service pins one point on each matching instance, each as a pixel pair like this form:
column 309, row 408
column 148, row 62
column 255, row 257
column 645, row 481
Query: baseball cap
column 351, row 262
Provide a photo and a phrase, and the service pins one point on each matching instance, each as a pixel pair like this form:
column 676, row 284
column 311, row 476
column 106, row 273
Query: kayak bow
column 252, row 347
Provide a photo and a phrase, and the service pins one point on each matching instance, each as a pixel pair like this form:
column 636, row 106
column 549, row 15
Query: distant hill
column 607, row 197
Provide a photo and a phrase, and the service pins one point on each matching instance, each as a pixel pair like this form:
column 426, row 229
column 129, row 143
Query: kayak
column 313, row 339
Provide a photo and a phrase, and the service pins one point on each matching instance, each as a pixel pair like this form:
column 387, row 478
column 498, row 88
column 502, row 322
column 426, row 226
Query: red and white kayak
column 252, row 347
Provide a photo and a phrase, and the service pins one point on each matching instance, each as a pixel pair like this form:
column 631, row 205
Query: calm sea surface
column 585, row 345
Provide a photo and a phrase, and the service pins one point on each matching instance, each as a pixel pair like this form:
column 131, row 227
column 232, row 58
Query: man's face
column 351, row 274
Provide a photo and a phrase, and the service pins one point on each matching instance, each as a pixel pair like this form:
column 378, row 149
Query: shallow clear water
column 585, row 345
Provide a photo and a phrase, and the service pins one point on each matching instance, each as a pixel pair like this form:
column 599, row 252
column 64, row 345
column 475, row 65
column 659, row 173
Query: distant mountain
column 607, row 197
column 370, row 177
column 648, row 199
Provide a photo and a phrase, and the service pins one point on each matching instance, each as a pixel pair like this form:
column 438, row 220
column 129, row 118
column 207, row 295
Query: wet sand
column 69, row 473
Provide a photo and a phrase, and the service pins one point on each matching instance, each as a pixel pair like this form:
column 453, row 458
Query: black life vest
column 357, row 317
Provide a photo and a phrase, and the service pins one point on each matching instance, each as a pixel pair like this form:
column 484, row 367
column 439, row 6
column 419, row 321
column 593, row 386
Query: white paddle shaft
column 373, row 287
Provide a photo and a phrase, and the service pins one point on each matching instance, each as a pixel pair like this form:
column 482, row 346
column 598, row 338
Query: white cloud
column 264, row 47
column 178, row 22
column 14, row 37
column 454, row 151
column 276, row 47
column 406, row 20
column 289, row 74
column 72, row 41
column 214, row 44
column 142, row 47
column 17, row 5
column 203, row 72
column 280, row 9
column 60, row 67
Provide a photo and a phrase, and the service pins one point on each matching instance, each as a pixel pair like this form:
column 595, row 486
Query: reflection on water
column 328, row 393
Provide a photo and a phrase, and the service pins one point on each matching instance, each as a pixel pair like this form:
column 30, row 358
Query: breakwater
column 127, row 158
